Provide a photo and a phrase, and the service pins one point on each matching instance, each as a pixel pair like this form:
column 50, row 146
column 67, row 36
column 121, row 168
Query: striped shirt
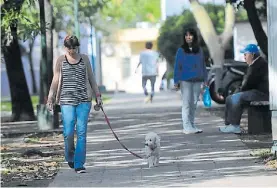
column 73, row 89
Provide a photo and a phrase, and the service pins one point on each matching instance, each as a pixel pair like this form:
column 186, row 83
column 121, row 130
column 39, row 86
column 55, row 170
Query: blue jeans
column 70, row 115
column 190, row 95
column 236, row 102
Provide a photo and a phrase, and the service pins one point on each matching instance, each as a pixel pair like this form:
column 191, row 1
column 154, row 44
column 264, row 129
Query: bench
column 259, row 117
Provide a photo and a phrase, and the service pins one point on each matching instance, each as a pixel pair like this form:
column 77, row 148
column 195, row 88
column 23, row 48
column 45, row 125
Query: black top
column 256, row 77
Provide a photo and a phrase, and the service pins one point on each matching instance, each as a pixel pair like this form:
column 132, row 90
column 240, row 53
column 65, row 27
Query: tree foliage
column 127, row 12
column 261, row 6
column 63, row 12
column 256, row 11
column 102, row 12
column 171, row 32
column 22, row 108
column 26, row 17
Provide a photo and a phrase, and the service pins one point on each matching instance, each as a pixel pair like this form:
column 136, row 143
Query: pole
column 49, row 39
column 91, row 43
column 76, row 21
column 54, row 123
column 100, row 62
column 272, row 66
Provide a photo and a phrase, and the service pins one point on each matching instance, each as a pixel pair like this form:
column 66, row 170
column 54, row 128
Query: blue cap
column 251, row 48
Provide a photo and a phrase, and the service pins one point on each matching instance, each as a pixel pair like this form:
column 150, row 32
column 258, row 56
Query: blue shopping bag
column 207, row 98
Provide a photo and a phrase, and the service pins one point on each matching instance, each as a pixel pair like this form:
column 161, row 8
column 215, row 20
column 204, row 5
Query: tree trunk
column 46, row 119
column 22, row 108
column 256, row 25
column 34, row 85
column 215, row 43
column 43, row 62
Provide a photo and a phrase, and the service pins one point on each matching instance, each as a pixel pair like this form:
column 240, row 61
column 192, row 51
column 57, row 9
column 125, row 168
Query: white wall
column 243, row 35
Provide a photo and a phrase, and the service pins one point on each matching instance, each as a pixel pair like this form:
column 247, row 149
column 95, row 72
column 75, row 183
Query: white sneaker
column 147, row 99
column 197, row 129
column 189, row 130
column 230, row 129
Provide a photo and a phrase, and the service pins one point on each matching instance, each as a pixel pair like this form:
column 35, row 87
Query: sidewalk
column 207, row 159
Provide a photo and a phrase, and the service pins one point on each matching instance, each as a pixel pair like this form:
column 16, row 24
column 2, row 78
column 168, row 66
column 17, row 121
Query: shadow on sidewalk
column 185, row 159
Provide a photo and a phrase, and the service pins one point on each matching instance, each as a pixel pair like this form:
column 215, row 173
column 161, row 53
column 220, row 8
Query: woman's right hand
column 99, row 101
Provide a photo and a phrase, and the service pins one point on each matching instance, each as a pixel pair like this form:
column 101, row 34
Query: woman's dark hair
column 71, row 41
column 195, row 46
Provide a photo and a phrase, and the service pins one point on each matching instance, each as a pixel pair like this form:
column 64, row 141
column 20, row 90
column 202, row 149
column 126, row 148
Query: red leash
column 108, row 122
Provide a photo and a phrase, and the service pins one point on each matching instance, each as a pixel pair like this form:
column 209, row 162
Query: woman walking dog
column 189, row 73
column 72, row 87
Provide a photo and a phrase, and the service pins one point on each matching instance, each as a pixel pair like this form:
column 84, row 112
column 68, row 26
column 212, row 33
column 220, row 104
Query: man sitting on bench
column 254, row 87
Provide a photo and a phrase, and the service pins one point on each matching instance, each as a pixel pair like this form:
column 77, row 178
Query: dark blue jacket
column 190, row 67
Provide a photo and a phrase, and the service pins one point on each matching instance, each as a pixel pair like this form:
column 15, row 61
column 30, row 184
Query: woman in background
column 189, row 74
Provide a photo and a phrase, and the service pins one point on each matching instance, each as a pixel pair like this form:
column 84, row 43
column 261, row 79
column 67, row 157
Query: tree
column 46, row 120
column 170, row 37
column 127, row 13
column 217, row 43
column 256, row 10
column 64, row 14
column 105, row 15
column 171, row 32
column 11, row 19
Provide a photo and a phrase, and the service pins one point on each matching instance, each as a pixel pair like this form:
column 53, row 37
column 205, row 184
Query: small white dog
column 152, row 149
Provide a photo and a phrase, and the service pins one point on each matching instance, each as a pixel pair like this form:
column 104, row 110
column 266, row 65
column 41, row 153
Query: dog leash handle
column 97, row 107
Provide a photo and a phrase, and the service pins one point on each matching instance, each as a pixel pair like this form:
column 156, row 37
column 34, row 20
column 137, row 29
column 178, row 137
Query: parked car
column 233, row 72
